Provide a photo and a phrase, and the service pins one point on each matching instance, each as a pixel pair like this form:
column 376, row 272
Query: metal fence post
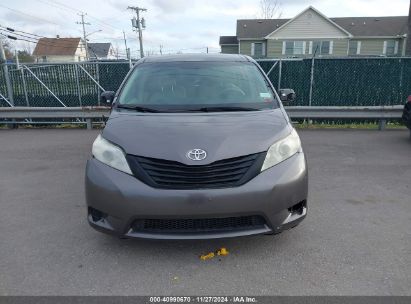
column 6, row 74
column 78, row 85
column 129, row 58
column 88, row 124
column 310, row 97
column 381, row 124
column 23, row 77
column 279, row 74
column 401, row 79
column 98, row 83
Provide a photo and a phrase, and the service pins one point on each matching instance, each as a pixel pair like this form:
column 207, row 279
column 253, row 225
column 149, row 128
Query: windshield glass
column 215, row 86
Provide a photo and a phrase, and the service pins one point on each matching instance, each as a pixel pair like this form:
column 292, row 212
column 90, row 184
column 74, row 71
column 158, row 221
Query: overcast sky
column 187, row 25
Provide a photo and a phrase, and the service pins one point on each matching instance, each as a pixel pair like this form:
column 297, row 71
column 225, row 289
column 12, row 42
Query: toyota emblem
column 196, row 154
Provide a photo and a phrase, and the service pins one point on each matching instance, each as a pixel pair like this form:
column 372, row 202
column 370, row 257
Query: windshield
column 218, row 86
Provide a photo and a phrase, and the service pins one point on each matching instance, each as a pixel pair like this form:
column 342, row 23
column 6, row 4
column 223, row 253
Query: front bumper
column 117, row 200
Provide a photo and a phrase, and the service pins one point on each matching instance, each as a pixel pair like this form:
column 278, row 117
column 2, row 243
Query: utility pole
column 84, row 32
column 3, row 60
column 127, row 50
column 125, row 43
column 138, row 24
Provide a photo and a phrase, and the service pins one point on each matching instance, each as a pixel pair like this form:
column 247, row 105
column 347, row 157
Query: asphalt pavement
column 356, row 239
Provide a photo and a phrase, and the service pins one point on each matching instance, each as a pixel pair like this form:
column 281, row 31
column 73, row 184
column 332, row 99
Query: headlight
column 282, row 149
column 110, row 154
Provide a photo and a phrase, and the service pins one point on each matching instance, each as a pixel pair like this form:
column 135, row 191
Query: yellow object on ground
column 207, row 256
column 223, row 251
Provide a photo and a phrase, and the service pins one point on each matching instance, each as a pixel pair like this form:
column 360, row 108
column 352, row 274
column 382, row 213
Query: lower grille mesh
column 198, row 225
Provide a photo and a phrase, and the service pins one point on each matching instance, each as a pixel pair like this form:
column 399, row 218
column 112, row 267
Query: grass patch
column 350, row 125
column 52, row 126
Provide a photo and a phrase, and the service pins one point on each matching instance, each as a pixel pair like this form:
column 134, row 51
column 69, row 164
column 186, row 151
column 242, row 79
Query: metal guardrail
column 84, row 115
column 372, row 112
column 22, row 115
column 381, row 113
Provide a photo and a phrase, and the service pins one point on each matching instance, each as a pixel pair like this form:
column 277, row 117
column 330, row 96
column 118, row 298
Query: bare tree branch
column 270, row 9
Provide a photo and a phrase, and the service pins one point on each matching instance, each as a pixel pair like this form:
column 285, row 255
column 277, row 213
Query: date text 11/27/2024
column 203, row 299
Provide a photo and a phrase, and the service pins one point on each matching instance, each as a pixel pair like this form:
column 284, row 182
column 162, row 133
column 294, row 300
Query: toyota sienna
column 196, row 146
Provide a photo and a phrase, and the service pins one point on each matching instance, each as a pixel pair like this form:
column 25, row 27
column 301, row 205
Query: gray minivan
column 196, row 146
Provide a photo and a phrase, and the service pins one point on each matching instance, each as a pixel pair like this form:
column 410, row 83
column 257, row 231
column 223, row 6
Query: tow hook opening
column 96, row 215
column 298, row 208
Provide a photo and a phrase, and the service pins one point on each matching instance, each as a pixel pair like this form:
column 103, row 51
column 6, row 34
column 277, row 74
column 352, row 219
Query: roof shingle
column 357, row 26
column 228, row 40
column 56, row 46
column 373, row 26
column 99, row 50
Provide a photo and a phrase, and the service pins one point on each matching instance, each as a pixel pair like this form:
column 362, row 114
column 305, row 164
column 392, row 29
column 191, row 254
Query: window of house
column 325, row 47
column 294, row 47
column 299, row 47
column 390, row 47
column 258, row 49
column 44, row 58
column 289, row 48
column 352, row 47
column 316, row 47
column 321, row 47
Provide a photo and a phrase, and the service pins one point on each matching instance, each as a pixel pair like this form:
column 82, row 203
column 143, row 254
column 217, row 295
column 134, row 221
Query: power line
column 36, row 39
column 9, row 29
column 55, row 3
column 31, row 16
column 66, row 7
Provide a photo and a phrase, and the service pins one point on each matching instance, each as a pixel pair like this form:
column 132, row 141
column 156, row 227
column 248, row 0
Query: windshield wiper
column 138, row 108
column 224, row 109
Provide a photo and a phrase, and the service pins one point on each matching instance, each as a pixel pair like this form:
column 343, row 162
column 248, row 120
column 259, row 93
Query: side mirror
column 287, row 95
column 107, row 97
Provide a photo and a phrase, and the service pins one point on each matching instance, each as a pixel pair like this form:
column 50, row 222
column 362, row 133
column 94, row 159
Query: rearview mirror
column 287, row 95
column 107, row 97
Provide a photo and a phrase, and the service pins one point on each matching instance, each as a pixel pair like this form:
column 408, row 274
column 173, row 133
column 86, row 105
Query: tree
column 25, row 56
column 270, row 9
column 7, row 48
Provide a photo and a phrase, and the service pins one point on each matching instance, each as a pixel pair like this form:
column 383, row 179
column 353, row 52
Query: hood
column 171, row 135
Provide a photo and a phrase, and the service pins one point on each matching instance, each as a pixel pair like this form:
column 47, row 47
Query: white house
column 60, row 50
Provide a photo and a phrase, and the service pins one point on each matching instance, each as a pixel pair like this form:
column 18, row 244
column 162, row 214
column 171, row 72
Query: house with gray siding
column 101, row 51
column 311, row 32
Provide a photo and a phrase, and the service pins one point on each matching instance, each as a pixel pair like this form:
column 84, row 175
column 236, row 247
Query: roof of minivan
column 196, row 57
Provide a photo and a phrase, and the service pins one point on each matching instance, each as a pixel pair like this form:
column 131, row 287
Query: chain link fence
column 317, row 82
column 57, row 85
column 344, row 81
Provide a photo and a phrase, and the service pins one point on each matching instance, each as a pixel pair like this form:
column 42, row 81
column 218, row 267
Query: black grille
column 168, row 174
column 198, row 225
